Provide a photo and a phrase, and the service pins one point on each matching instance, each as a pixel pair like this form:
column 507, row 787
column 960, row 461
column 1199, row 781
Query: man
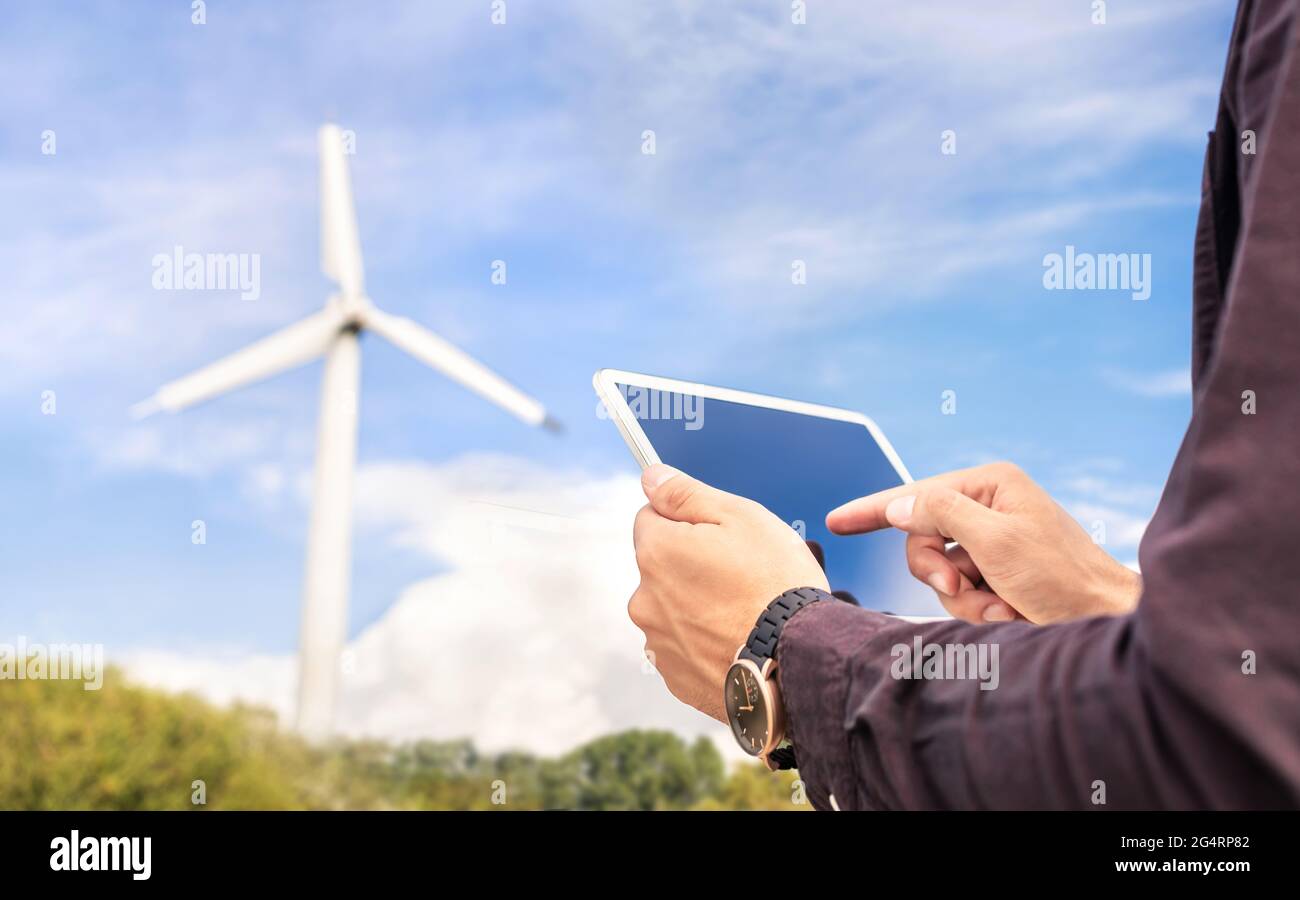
column 1179, row 689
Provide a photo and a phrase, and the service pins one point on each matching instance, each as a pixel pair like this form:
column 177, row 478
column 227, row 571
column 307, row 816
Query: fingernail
column 998, row 612
column 899, row 511
column 936, row 581
column 656, row 475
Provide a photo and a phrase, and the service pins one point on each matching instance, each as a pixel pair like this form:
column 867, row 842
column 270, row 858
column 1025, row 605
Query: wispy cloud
column 1121, row 528
column 1112, row 505
column 775, row 142
column 535, row 649
column 1167, row 383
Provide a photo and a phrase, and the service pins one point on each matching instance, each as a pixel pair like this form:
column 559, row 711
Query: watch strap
column 761, row 645
column 783, row 758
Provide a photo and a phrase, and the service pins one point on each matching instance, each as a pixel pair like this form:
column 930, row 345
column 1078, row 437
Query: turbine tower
column 333, row 333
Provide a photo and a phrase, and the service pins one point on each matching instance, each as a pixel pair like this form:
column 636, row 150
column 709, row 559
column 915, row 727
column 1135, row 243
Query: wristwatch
column 751, row 696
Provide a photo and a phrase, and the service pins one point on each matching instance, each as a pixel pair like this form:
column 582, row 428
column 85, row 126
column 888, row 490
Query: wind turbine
column 333, row 334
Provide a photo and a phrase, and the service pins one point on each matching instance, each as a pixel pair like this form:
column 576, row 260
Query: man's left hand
column 710, row 564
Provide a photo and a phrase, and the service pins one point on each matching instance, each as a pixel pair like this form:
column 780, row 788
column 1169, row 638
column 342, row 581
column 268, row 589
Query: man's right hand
column 1019, row 553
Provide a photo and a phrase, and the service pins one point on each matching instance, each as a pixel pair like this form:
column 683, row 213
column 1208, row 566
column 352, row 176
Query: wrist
column 1119, row 592
column 751, row 697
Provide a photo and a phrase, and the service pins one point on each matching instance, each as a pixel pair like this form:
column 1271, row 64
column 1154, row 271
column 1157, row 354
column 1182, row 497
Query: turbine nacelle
column 352, row 309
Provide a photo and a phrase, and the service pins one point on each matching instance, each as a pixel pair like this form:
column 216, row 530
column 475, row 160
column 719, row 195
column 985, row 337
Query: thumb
column 942, row 512
column 679, row 497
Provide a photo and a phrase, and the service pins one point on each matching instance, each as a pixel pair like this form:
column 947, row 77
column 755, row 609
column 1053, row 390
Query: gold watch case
column 753, row 704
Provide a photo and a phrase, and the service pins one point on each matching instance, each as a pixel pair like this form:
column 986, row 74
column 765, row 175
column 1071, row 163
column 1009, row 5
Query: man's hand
column 1019, row 552
column 710, row 564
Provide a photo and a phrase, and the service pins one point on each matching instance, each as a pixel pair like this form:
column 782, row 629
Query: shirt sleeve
column 1043, row 717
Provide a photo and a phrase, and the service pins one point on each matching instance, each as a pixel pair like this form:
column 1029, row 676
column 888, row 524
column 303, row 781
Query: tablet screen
column 798, row 466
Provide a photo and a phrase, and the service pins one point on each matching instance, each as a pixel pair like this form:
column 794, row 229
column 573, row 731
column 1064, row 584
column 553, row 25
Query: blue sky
column 522, row 142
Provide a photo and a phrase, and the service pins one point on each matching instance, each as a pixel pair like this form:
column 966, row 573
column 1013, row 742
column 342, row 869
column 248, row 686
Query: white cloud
column 220, row 675
column 1095, row 493
column 1105, row 490
column 85, row 288
column 1169, row 383
column 523, row 642
column 1123, row 528
column 196, row 448
column 1098, row 493
column 834, row 154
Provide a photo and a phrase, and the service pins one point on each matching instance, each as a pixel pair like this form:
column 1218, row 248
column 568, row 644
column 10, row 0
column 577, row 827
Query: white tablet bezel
column 606, row 382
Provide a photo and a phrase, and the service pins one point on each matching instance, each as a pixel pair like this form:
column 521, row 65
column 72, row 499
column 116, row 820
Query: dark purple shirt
column 1193, row 701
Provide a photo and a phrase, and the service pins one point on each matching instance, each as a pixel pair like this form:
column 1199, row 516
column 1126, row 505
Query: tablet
column 799, row 460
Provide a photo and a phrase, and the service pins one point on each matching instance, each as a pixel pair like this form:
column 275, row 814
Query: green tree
column 752, row 786
column 128, row 747
column 641, row 770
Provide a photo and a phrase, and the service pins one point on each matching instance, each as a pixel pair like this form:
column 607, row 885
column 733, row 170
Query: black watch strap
column 761, row 645
column 783, row 758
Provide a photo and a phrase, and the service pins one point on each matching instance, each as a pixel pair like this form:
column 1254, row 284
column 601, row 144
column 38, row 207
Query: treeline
column 129, row 747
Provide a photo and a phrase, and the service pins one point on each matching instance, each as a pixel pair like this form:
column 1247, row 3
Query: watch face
column 746, row 704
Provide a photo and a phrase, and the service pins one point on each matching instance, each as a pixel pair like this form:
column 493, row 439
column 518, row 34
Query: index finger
column 868, row 513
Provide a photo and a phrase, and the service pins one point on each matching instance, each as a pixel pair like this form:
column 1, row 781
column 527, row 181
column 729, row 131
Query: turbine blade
column 286, row 349
column 340, row 245
column 459, row 366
